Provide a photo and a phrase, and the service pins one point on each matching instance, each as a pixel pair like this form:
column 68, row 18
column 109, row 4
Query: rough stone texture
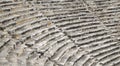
column 59, row 32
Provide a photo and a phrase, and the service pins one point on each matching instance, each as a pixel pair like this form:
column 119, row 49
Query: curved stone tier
column 59, row 33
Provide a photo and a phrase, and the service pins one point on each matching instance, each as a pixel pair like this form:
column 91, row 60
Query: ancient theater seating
column 59, row 33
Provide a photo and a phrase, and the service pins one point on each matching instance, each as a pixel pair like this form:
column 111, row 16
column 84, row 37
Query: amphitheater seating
column 59, row 33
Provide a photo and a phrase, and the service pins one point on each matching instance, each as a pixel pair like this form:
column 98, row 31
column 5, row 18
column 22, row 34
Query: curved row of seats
column 85, row 30
column 59, row 33
column 21, row 27
column 31, row 38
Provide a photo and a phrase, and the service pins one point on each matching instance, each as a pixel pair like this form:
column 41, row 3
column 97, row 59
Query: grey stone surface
column 59, row 33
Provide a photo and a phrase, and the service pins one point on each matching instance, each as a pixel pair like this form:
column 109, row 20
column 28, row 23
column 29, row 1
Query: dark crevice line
column 5, row 43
